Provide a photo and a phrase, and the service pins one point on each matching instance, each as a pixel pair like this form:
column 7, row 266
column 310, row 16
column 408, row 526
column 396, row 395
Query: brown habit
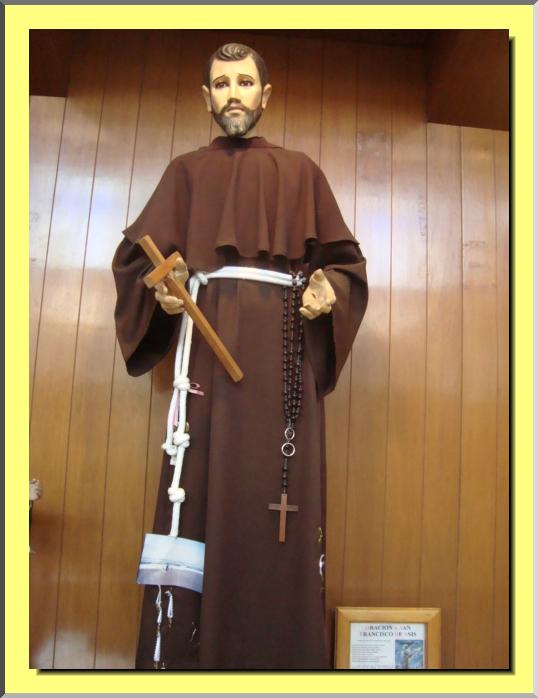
column 244, row 202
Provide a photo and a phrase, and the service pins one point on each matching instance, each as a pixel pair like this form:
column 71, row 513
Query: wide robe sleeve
column 329, row 337
column 145, row 332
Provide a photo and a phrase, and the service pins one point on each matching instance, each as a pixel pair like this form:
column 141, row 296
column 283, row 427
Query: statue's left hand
column 318, row 297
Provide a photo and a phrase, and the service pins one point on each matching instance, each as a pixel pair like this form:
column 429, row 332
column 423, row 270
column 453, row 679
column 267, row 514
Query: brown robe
column 244, row 202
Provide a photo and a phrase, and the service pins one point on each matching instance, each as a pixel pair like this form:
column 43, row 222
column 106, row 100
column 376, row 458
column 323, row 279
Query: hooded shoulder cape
column 245, row 202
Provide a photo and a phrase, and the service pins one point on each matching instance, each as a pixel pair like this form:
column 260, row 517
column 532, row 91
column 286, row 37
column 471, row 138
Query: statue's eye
column 246, row 83
column 219, row 85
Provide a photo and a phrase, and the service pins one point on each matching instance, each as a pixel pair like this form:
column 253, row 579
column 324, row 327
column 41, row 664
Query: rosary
column 292, row 365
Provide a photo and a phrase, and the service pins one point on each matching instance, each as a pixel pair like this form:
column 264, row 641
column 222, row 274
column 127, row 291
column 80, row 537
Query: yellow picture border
column 18, row 20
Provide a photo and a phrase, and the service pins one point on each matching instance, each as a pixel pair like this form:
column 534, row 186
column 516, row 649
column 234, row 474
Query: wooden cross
column 283, row 508
column 162, row 272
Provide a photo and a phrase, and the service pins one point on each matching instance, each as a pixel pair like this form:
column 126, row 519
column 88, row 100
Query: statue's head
column 236, row 88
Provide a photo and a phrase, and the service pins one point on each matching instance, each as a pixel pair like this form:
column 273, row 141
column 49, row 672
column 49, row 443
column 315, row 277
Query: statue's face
column 235, row 96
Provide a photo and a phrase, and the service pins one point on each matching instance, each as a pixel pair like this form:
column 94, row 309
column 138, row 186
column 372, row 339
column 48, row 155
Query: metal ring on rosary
column 299, row 279
column 289, row 433
column 288, row 449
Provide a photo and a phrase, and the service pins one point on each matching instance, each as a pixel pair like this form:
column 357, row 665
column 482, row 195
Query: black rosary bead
column 292, row 362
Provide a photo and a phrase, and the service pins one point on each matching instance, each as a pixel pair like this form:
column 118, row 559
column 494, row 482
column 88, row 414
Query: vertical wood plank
column 405, row 450
column 479, row 401
column 443, row 379
column 303, row 100
column 128, row 438
column 56, row 353
column 274, row 51
column 46, row 122
column 370, row 360
column 338, row 161
column 193, row 122
column 88, row 437
column 501, row 628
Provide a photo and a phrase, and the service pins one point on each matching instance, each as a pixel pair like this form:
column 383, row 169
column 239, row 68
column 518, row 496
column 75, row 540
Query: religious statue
column 272, row 266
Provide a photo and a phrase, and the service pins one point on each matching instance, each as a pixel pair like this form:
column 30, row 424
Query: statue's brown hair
column 236, row 52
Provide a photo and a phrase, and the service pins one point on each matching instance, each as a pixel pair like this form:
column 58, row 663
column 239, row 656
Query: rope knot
column 202, row 278
column 176, row 494
column 182, row 383
column 170, row 449
column 181, row 439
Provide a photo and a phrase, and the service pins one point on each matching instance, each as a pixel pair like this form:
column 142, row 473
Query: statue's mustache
column 233, row 105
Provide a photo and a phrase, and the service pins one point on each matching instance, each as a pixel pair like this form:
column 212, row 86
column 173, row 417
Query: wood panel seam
column 45, row 261
column 350, row 391
column 456, row 600
column 286, row 88
column 426, row 347
column 382, row 582
column 172, row 140
column 495, row 496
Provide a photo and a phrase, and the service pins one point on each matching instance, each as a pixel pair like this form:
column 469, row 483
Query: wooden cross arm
column 162, row 270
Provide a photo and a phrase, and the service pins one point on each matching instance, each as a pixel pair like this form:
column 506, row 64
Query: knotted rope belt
column 177, row 438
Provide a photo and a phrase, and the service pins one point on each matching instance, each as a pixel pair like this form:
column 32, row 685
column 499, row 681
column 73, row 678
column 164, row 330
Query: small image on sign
column 409, row 655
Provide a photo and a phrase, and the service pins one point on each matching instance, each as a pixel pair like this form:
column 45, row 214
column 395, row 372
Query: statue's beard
column 238, row 125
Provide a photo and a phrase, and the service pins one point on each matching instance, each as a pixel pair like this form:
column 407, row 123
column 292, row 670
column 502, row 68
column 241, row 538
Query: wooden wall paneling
column 57, row 339
column 405, row 450
column 501, row 657
column 363, row 553
column 443, row 380
column 469, row 77
column 50, row 52
column 479, row 402
column 274, row 51
column 88, row 438
column 123, row 529
column 193, row 122
column 303, row 102
column 338, row 162
column 46, row 122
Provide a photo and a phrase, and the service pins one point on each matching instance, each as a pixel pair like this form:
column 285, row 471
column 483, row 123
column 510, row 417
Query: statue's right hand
column 170, row 304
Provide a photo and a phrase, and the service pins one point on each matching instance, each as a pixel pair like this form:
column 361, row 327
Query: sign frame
column 346, row 615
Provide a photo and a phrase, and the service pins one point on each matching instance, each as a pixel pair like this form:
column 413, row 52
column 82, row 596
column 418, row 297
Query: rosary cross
column 283, row 508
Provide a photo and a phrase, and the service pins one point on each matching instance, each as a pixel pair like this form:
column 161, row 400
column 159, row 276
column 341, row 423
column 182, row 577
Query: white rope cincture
column 177, row 436
column 170, row 611
column 169, row 616
column 157, row 650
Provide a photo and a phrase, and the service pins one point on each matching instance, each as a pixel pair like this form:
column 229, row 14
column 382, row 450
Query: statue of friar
column 282, row 281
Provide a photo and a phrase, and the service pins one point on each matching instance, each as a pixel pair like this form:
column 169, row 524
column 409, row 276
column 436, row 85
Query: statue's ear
column 207, row 97
column 266, row 93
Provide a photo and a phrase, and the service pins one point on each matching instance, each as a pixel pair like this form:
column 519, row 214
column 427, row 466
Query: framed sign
column 388, row 638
